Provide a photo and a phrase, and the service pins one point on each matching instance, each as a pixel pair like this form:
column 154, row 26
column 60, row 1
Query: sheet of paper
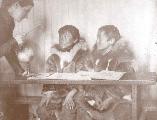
column 61, row 76
column 40, row 76
column 103, row 75
column 69, row 76
column 83, row 75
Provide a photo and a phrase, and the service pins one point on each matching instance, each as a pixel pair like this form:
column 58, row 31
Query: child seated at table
column 69, row 56
column 105, row 102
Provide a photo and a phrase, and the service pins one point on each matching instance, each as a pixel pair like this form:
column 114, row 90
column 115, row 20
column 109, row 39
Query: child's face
column 104, row 41
column 66, row 40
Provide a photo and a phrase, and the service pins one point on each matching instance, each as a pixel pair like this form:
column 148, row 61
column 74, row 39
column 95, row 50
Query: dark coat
column 72, row 60
column 7, row 49
column 80, row 60
column 119, row 58
column 8, row 44
column 6, row 27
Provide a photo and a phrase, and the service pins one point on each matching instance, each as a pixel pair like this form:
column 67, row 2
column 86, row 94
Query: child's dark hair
column 72, row 29
column 111, row 31
column 26, row 2
column 8, row 3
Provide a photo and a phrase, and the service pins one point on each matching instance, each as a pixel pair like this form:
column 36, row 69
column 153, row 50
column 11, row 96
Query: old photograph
column 78, row 59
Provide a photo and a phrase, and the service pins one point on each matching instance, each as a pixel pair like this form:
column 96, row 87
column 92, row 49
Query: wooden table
column 141, row 79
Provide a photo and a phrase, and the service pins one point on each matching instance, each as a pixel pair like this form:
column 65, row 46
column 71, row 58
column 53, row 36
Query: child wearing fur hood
column 69, row 56
column 105, row 102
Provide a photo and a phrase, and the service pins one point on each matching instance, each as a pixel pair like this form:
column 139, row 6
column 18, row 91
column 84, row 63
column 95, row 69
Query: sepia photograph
column 78, row 59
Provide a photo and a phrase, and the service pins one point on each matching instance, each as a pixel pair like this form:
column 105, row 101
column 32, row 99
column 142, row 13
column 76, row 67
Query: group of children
column 93, row 102
column 72, row 102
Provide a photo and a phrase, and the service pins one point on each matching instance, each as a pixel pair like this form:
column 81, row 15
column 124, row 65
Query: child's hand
column 98, row 103
column 68, row 102
column 46, row 97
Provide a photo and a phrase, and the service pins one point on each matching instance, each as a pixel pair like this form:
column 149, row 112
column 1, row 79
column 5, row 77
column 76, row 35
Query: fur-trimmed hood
column 121, row 45
column 69, row 55
column 121, row 48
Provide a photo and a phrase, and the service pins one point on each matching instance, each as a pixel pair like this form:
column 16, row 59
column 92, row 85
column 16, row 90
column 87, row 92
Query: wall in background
column 135, row 20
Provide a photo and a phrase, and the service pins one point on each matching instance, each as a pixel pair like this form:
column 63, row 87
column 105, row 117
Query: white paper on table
column 69, row 76
column 61, row 76
column 40, row 76
column 103, row 75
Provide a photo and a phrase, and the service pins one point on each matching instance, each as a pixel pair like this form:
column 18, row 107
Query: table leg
column 134, row 103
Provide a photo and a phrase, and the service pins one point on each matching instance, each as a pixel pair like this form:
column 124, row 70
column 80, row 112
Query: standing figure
column 108, row 102
column 69, row 56
column 10, row 12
